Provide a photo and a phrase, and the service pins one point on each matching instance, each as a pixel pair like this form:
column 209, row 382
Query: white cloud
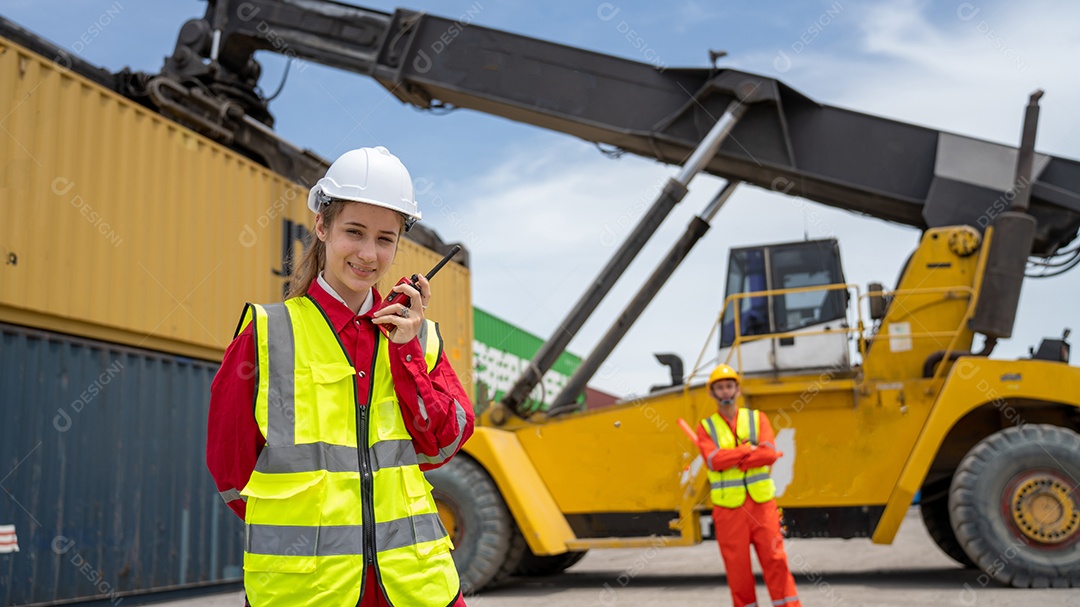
column 967, row 72
column 974, row 72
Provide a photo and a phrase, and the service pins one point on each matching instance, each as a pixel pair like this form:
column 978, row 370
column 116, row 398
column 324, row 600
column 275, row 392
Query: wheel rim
column 450, row 515
column 1042, row 508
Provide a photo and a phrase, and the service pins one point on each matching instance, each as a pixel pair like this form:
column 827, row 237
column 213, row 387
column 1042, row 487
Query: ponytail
column 311, row 263
column 314, row 258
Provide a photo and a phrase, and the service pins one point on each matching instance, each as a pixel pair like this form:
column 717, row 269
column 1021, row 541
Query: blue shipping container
column 103, row 474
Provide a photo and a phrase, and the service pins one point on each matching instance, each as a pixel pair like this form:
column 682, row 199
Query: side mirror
column 879, row 303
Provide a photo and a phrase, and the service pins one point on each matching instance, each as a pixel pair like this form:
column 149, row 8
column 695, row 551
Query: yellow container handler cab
column 876, row 393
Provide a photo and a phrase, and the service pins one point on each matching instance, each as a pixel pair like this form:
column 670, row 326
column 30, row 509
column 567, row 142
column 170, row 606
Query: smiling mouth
column 360, row 270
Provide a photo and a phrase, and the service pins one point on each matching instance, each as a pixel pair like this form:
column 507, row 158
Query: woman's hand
column 404, row 322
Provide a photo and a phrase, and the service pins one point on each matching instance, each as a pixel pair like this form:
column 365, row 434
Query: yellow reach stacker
column 875, row 391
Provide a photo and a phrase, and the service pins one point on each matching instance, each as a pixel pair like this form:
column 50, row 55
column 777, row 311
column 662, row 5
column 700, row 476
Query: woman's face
column 360, row 246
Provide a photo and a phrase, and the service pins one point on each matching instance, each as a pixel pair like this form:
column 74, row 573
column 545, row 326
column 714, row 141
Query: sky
column 538, row 209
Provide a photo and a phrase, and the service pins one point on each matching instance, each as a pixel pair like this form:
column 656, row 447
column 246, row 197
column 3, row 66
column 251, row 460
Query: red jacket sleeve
column 765, row 452
column 233, row 440
column 715, row 457
column 437, row 412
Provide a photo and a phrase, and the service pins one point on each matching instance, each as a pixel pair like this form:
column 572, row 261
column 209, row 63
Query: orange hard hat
column 724, row 372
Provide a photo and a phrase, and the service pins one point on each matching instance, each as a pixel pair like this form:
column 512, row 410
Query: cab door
column 799, row 330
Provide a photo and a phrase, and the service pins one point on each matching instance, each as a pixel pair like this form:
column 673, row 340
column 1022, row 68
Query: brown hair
column 314, row 258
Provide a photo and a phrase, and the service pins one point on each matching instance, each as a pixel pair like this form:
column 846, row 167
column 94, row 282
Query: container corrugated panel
column 102, row 456
column 502, row 351
column 120, row 225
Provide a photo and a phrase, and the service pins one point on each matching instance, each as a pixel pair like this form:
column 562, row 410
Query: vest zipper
column 362, row 454
column 366, row 480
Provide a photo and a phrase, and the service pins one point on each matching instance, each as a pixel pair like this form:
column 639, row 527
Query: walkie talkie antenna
column 438, row 266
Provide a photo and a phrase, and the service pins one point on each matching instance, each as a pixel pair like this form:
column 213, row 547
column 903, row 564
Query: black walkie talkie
column 402, row 298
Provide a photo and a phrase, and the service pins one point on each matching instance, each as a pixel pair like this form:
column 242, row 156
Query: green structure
column 502, row 351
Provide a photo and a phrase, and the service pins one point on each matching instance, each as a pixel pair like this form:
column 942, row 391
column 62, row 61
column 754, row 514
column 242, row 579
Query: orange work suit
column 751, row 523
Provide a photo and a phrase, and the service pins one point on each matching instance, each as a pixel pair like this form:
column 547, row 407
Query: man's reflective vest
column 319, row 510
column 730, row 486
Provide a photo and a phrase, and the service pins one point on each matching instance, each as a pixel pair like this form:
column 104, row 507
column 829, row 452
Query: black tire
column 935, row 516
column 517, row 550
column 1014, row 506
column 482, row 539
column 532, row 565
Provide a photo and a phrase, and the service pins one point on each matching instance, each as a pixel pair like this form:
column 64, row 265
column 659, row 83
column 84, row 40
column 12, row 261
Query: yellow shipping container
column 120, row 225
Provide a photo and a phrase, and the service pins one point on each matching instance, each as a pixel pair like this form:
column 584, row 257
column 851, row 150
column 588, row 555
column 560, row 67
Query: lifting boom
column 887, row 169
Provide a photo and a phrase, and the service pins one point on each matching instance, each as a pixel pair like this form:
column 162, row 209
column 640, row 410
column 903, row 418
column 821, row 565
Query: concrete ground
column 829, row 572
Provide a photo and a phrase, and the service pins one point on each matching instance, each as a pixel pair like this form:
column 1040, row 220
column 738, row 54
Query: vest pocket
column 388, row 424
column 429, row 534
column 330, row 416
column 283, row 518
column 329, row 373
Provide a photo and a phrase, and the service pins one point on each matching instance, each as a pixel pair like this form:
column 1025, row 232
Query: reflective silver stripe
column 710, row 427
column 754, row 604
column 282, row 540
column 407, row 531
column 708, row 461
column 790, row 599
column 307, row 457
column 292, row 540
column 310, row 457
column 739, row 482
column 231, row 495
column 393, row 453
column 337, row 540
column 753, row 426
column 448, row 451
column 421, row 406
column 727, row 483
column 281, row 405
column 341, row 540
column 422, row 336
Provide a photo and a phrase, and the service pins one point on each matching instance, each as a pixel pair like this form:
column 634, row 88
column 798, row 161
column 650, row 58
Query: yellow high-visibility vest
column 320, row 509
column 730, row 486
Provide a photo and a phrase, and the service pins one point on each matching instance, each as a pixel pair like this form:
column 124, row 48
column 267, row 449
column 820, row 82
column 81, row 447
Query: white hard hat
column 369, row 175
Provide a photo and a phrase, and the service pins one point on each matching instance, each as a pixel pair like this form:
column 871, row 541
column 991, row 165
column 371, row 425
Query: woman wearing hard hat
column 353, row 399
